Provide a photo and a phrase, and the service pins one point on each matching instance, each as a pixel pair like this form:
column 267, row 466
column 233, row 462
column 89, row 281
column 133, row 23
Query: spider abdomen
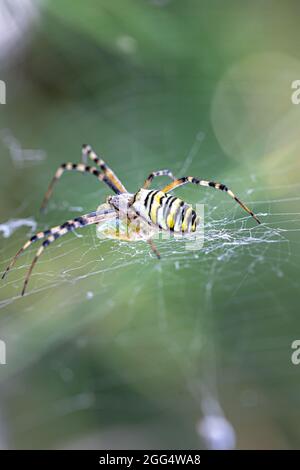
column 166, row 211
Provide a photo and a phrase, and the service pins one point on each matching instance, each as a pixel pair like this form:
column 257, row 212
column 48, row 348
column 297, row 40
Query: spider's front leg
column 53, row 234
column 88, row 152
column 81, row 168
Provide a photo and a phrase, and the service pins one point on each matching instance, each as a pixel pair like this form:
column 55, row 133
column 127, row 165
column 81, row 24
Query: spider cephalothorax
column 142, row 214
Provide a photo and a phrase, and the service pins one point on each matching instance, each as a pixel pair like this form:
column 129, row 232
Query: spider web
column 91, row 269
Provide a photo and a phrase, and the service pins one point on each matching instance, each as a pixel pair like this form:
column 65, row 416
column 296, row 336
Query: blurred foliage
column 110, row 348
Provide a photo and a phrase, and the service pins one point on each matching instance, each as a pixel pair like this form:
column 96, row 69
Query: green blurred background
column 111, row 348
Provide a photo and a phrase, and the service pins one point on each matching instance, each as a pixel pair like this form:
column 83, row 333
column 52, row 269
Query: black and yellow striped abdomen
column 166, row 211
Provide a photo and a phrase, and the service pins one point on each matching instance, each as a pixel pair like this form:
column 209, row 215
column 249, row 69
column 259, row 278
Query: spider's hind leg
column 154, row 174
column 212, row 184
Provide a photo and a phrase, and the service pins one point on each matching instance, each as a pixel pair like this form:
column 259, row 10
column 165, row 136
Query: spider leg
column 87, row 151
column 80, row 167
column 52, row 235
column 154, row 174
column 149, row 241
column 153, row 247
column 199, row 182
column 34, row 238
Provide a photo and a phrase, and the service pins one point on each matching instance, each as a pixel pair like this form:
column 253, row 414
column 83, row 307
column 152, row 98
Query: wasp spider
column 144, row 212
